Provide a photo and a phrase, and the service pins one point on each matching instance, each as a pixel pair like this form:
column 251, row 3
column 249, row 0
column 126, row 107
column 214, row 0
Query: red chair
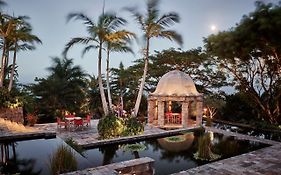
column 78, row 123
column 61, row 123
column 168, row 117
column 87, row 121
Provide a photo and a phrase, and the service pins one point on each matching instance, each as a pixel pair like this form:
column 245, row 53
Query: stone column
column 184, row 113
column 199, row 108
column 151, row 110
column 161, row 114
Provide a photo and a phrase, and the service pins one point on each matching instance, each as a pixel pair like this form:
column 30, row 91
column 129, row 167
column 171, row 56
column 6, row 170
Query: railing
column 172, row 118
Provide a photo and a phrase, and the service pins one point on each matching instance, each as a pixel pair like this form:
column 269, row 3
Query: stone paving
column 259, row 162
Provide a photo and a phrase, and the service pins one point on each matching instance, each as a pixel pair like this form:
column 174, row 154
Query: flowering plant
column 31, row 119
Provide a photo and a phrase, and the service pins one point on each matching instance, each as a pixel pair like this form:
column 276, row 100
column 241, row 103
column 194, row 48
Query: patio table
column 73, row 121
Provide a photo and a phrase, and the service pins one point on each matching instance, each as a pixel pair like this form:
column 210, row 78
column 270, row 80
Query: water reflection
column 108, row 153
column 184, row 143
column 12, row 164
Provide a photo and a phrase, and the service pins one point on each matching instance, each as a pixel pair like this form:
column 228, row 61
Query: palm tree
column 2, row 21
column 21, row 39
column 63, row 89
column 107, row 23
column 153, row 26
column 6, row 26
column 116, row 42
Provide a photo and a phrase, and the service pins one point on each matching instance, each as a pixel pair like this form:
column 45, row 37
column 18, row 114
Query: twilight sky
column 48, row 19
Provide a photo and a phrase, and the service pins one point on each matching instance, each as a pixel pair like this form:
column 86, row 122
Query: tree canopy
column 250, row 52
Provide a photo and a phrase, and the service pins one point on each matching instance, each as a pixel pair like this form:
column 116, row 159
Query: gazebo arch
column 174, row 86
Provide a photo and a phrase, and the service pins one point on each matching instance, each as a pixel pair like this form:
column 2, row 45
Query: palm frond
column 77, row 40
column 152, row 11
column 111, row 22
column 171, row 35
column 168, row 19
column 137, row 16
column 25, row 47
column 121, row 48
column 88, row 48
column 80, row 16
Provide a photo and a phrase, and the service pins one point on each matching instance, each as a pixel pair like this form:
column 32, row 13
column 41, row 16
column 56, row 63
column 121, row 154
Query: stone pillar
column 199, row 108
column 151, row 110
column 184, row 113
column 161, row 114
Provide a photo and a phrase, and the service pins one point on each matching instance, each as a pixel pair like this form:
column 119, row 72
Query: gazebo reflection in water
column 176, row 102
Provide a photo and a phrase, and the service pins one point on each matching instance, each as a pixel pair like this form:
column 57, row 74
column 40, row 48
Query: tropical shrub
column 31, row 119
column 9, row 99
column 204, row 149
column 110, row 127
column 133, row 127
column 63, row 160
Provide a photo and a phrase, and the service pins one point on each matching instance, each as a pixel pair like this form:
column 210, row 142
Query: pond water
column 32, row 157
column 171, row 156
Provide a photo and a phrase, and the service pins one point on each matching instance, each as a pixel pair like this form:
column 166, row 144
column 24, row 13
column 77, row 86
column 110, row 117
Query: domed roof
column 175, row 83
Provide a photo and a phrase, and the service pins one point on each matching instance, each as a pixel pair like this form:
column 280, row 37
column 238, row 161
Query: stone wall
column 140, row 166
column 15, row 114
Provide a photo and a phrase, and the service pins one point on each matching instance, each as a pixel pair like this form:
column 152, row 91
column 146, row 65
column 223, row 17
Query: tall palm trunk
column 107, row 82
column 103, row 99
column 13, row 68
column 138, row 101
column 3, row 63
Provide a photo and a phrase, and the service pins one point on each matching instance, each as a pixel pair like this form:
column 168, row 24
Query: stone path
column 260, row 162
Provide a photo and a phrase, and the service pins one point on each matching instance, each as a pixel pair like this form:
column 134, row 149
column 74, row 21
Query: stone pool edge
column 138, row 137
column 144, row 164
column 8, row 137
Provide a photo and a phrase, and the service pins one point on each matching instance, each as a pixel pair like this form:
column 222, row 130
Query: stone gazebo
column 175, row 88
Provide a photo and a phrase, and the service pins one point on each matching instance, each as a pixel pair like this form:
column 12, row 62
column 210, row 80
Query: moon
column 213, row 27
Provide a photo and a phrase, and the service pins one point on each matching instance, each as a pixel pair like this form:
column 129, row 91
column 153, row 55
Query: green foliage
column 178, row 138
column 10, row 99
column 110, row 127
column 133, row 127
column 238, row 107
column 63, row 90
column 204, row 149
column 203, row 70
column 73, row 144
column 134, row 147
column 250, row 54
column 63, row 161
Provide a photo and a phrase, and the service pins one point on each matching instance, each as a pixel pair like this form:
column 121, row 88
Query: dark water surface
column 33, row 156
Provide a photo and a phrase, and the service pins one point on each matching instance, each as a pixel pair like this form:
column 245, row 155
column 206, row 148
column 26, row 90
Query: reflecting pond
column 171, row 154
